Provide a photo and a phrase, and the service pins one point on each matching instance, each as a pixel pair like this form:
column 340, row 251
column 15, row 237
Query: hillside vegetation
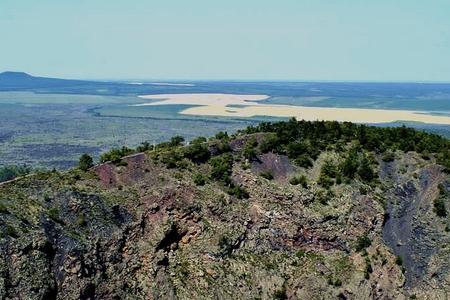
column 285, row 210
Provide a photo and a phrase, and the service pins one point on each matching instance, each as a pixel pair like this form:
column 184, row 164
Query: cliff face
column 141, row 230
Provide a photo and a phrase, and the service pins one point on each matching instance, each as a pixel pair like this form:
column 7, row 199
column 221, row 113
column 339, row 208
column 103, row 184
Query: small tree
column 350, row 165
column 365, row 170
column 85, row 162
column 249, row 151
column 176, row 141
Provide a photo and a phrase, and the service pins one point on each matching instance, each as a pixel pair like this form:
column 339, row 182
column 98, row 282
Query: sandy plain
column 233, row 105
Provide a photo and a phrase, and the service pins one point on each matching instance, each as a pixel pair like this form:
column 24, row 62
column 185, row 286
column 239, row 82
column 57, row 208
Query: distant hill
column 23, row 81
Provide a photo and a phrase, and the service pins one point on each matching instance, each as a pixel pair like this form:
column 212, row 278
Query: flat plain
column 51, row 127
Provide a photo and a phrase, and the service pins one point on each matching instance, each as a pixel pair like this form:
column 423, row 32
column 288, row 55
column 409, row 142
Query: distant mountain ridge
column 21, row 80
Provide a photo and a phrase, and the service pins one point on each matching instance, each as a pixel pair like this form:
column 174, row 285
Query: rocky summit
column 287, row 210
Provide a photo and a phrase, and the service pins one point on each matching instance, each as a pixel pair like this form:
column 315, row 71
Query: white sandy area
column 171, row 84
column 218, row 105
column 203, row 99
column 162, row 83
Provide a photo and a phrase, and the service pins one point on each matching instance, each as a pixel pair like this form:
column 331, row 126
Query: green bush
column 362, row 243
column 350, row 165
column 221, row 167
column 304, row 161
column 145, row 146
column 11, row 231
column 222, row 147
column 238, row 191
column 173, row 159
column 368, row 269
column 297, row 148
column 296, row 180
column 325, row 181
column 199, row 140
column 115, row 155
column 199, row 179
column 53, row 213
column 176, row 141
column 85, row 162
column 249, row 151
column 197, row 152
column 271, row 142
column 365, row 170
column 222, row 135
column 329, row 169
column 439, row 207
column 323, row 197
column 224, row 243
column 11, row 172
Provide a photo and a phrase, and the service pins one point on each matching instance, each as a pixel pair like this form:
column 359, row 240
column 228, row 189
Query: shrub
column 224, row 243
column 238, row 191
column 85, row 162
column 297, row 148
column 439, row 207
column 296, row 180
column 199, row 179
column 11, row 172
column 222, row 135
column 329, row 169
column 325, row 181
column 223, row 147
column 115, row 155
column 199, row 140
column 249, row 151
column 172, row 159
column 222, row 167
column 53, row 213
column 176, row 141
column 11, row 231
column 197, row 152
column 270, row 143
column 145, row 146
column 399, row 260
column 323, row 197
column 268, row 174
column 365, row 170
column 362, row 243
column 350, row 165
column 304, row 161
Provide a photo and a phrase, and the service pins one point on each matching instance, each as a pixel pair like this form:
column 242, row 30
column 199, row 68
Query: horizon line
column 243, row 80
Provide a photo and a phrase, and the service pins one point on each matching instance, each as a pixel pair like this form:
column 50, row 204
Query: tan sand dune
column 219, row 105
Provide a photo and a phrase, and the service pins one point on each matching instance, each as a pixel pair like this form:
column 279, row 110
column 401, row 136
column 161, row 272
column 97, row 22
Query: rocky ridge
column 142, row 228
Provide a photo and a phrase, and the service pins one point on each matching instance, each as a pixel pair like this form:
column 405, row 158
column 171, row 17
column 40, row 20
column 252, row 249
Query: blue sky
column 383, row 40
